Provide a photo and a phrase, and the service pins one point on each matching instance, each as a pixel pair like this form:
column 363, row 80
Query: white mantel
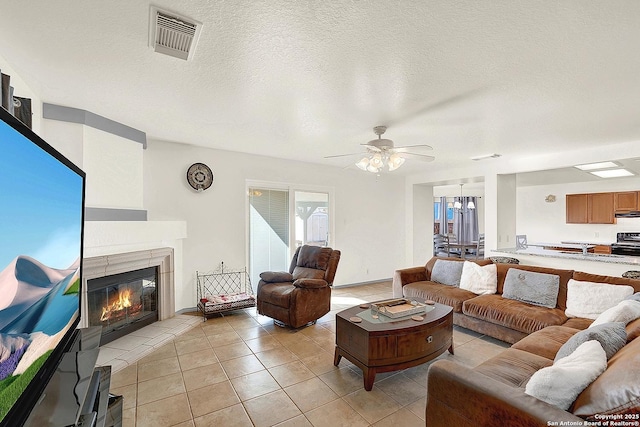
column 103, row 239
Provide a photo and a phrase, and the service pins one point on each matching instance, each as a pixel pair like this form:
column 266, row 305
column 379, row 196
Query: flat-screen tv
column 41, row 232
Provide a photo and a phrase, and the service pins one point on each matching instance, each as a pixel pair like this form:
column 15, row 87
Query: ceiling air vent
column 172, row 34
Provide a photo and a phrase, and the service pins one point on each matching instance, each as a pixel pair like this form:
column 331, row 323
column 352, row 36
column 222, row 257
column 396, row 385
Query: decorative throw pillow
column 590, row 299
column 635, row 297
column 447, row 272
column 531, row 287
column 561, row 383
column 611, row 336
column 625, row 311
column 276, row 276
column 481, row 280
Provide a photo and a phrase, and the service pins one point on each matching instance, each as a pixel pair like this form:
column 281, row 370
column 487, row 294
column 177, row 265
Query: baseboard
column 370, row 282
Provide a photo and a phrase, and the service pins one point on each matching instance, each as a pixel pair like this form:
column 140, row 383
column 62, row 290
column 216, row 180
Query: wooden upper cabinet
column 625, row 201
column 577, row 209
column 600, row 208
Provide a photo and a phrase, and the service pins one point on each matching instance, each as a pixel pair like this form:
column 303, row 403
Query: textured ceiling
column 307, row 79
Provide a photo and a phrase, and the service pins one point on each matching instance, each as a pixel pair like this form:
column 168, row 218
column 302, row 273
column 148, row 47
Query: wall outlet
column 507, row 238
column 597, row 234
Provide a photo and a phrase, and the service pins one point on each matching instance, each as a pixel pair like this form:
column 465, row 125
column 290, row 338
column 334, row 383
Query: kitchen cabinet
column 602, row 249
column 600, row 208
column 593, row 208
column 625, row 201
column 577, row 209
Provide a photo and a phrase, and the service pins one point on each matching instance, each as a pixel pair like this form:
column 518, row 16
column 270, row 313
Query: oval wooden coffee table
column 384, row 344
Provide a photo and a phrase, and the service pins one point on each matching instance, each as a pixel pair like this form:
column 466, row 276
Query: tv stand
column 78, row 392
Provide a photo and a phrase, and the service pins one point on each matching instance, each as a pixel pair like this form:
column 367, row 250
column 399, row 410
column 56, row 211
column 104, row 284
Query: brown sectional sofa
column 492, row 394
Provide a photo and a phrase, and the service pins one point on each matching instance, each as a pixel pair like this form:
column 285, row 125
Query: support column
column 500, row 211
column 419, row 224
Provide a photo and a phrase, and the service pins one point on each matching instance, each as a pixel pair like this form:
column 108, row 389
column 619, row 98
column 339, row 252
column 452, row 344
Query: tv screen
column 41, row 231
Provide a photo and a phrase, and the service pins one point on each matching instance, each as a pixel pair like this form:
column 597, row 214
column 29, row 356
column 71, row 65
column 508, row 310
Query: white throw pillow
column 590, row 299
column 625, row 311
column 561, row 383
column 481, row 280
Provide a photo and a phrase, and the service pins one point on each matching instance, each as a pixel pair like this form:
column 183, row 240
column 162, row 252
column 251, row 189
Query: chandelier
column 458, row 203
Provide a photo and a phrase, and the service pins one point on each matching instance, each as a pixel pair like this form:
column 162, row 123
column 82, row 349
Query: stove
column 627, row 244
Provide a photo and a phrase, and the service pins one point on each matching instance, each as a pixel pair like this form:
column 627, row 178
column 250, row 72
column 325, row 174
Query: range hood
column 630, row 214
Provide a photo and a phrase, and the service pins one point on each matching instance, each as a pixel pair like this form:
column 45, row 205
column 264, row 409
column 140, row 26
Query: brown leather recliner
column 302, row 295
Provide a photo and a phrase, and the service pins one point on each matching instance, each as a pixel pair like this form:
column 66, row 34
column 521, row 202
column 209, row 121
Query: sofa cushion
column 481, row 280
column 633, row 330
column 512, row 314
column 447, row 272
column 532, row 287
column 561, row 383
column 513, row 367
column 634, row 297
column 611, row 336
column 307, row 273
column 429, row 265
column 578, row 323
column 277, row 294
column 546, row 342
column 276, row 276
column 617, row 390
column 314, row 257
column 611, row 280
column 443, row 294
column 589, row 299
column 565, row 275
column 625, row 311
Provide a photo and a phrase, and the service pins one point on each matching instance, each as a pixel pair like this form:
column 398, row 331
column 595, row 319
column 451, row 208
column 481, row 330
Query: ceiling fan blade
column 423, row 157
column 404, row 147
column 371, row 147
column 436, row 106
column 343, row 155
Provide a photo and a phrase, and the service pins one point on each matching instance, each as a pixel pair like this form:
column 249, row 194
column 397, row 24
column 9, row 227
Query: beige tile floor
column 242, row 370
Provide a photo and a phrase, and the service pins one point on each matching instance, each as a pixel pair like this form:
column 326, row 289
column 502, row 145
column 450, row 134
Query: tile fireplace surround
column 106, row 265
column 101, row 266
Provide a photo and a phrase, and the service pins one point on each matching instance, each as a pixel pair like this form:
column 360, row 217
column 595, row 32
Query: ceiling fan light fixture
column 376, row 160
column 395, row 161
column 382, row 154
column 363, row 163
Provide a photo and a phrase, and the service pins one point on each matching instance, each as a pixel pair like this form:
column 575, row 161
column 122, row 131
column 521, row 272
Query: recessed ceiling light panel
column 600, row 165
column 612, row 173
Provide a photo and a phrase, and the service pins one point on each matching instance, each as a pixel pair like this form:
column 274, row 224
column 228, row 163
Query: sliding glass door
column 280, row 220
column 312, row 218
column 269, row 247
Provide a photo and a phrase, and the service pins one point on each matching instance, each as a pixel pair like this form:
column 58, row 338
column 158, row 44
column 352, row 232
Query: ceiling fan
column 381, row 152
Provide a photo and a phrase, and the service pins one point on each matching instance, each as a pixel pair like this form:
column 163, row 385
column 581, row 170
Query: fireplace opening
column 122, row 303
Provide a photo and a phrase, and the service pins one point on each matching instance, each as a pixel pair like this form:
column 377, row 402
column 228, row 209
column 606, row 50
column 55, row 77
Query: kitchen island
column 596, row 263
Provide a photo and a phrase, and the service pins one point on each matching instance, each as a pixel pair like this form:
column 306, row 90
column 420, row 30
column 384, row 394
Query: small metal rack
column 224, row 290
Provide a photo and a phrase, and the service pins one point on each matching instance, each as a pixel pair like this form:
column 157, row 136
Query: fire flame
column 123, row 301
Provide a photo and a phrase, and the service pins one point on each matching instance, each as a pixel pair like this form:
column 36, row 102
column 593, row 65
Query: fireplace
column 122, row 303
column 146, row 275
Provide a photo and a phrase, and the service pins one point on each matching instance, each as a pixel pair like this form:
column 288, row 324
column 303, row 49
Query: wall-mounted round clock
column 199, row 176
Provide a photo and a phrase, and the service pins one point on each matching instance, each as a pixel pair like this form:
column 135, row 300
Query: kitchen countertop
column 564, row 245
column 539, row 251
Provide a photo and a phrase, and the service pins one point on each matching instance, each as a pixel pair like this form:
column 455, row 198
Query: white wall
column 546, row 222
column 369, row 210
column 114, row 170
